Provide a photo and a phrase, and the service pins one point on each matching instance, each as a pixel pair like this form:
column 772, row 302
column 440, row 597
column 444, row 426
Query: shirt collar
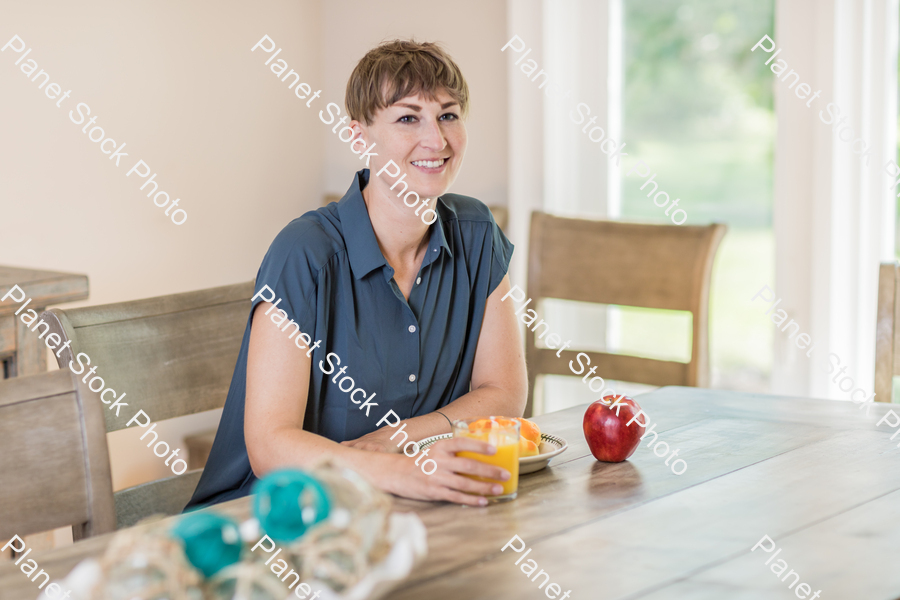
column 438, row 239
column 359, row 237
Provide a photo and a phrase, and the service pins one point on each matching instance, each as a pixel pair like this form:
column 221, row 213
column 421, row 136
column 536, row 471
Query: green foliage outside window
column 698, row 109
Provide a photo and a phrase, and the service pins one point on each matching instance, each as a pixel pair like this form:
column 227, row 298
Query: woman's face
column 426, row 138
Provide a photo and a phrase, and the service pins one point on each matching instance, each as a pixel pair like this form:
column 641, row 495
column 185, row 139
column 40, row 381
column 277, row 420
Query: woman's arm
column 274, row 408
column 499, row 376
column 499, row 379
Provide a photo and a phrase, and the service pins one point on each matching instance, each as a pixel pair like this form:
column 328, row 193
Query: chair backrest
column 887, row 335
column 501, row 215
column 172, row 355
column 54, row 464
column 628, row 264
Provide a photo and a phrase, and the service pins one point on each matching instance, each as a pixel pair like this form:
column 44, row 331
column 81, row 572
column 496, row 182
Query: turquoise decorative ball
column 288, row 502
column 211, row 542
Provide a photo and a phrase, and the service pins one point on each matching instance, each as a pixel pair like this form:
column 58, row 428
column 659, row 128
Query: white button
column 412, row 377
column 412, row 328
column 435, row 249
column 418, row 280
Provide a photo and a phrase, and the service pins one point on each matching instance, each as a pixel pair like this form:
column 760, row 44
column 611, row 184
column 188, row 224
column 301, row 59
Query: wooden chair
column 501, row 216
column 629, row 264
column 173, row 355
column 54, row 465
column 887, row 334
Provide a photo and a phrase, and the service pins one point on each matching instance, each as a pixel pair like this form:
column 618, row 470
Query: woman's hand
column 401, row 475
column 372, row 445
column 376, row 441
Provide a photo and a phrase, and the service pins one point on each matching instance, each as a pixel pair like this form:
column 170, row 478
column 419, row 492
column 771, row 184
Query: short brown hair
column 401, row 68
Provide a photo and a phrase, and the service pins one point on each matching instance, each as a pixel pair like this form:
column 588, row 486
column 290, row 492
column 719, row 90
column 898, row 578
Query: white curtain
column 554, row 167
column 834, row 216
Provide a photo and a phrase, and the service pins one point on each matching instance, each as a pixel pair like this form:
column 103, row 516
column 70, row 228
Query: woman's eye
column 407, row 119
column 450, row 116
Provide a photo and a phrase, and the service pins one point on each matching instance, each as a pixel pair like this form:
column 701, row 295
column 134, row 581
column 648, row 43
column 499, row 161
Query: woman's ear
column 359, row 130
column 359, row 137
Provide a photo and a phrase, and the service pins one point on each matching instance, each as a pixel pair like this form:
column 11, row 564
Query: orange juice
column 502, row 434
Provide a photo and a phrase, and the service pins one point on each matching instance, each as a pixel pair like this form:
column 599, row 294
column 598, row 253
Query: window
column 697, row 108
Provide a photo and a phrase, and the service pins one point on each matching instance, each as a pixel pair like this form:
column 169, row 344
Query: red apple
column 606, row 431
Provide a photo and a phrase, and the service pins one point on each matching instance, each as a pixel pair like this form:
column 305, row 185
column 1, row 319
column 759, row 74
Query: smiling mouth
column 430, row 164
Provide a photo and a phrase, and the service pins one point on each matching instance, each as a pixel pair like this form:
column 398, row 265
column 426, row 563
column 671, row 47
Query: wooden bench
column 173, row 355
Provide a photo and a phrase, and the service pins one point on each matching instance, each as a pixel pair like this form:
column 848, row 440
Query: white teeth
column 431, row 164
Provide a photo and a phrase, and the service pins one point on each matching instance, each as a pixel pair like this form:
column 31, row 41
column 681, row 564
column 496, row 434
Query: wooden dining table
column 21, row 352
column 819, row 478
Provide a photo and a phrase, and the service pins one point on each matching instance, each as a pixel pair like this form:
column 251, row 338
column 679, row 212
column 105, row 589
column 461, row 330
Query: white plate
column 551, row 445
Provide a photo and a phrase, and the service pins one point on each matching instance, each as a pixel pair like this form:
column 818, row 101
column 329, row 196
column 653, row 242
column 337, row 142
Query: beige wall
column 177, row 82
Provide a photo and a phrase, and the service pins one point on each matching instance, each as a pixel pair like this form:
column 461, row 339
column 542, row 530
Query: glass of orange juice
column 503, row 434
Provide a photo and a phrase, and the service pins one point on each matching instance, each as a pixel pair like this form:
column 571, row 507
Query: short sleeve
column 501, row 250
column 288, row 275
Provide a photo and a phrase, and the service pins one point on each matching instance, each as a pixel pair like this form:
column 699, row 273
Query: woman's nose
column 433, row 137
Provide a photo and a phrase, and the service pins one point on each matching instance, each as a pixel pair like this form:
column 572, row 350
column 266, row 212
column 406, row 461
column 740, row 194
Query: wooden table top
column 45, row 287
column 816, row 476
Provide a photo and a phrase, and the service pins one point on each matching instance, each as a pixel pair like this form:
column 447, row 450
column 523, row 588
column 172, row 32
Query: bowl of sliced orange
column 536, row 448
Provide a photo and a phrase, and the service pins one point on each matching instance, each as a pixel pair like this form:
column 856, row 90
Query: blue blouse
column 335, row 283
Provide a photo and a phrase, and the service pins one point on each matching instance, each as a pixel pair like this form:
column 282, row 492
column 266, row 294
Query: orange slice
column 527, row 448
column 529, row 431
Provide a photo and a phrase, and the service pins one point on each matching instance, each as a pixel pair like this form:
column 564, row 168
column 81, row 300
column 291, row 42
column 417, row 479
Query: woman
column 410, row 313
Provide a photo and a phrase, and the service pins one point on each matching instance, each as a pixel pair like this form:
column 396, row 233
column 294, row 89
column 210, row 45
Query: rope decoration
column 340, row 520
